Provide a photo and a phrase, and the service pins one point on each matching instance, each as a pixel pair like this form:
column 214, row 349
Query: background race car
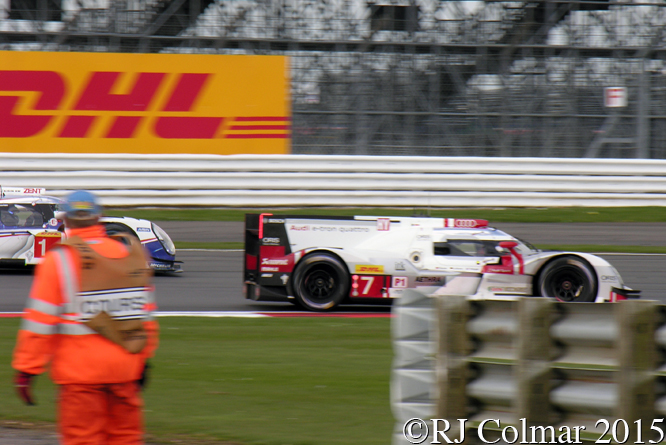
column 30, row 224
column 320, row 262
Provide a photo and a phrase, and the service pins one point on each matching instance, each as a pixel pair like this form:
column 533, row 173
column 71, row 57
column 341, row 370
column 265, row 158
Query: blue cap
column 81, row 204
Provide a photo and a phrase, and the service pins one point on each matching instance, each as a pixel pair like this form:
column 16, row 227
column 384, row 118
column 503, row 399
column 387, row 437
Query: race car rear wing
column 6, row 192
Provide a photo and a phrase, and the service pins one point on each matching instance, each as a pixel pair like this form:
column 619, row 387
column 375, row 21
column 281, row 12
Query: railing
column 527, row 362
column 308, row 180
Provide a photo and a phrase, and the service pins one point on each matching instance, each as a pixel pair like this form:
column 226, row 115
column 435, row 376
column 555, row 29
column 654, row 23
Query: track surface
column 212, row 279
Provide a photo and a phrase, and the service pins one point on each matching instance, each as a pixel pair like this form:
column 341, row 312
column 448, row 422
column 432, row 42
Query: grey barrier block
column 550, row 363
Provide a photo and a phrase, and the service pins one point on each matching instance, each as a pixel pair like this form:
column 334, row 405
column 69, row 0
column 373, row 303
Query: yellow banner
column 144, row 103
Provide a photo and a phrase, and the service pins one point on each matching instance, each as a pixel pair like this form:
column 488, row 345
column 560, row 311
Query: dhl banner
column 144, row 103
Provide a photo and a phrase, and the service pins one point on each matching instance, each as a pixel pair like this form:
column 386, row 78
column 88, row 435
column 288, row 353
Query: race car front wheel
column 569, row 279
column 321, row 282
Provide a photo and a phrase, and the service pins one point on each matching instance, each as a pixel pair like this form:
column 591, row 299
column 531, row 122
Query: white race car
column 30, row 224
column 320, row 262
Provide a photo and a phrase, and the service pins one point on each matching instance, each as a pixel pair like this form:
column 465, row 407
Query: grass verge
column 556, row 214
column 592, row 248
column 269, row 381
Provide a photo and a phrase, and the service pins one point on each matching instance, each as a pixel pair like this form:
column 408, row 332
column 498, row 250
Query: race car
column 31, row 223
column 320, row 262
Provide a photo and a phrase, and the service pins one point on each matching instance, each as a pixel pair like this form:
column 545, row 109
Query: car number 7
column 368, row 284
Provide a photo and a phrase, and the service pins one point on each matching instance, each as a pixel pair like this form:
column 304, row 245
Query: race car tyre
column 569, row 279
column 321, row 282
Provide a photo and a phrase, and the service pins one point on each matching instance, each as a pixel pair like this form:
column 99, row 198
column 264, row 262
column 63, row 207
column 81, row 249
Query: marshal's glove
column 22, row 382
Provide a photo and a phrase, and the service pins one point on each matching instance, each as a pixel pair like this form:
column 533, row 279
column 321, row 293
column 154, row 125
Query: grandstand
column 409, row 77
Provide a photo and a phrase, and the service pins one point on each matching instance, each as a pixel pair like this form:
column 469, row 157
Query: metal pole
column 643, row 117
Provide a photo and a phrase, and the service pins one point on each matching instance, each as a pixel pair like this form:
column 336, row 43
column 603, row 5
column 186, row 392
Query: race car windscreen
column 19, row 215
column 466, row 248
column 478, row 248
column 525, row 247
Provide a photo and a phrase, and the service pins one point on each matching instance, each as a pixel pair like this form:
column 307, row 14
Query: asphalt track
column 211, row 280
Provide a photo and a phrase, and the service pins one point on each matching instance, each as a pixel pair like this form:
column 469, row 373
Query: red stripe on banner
column 259, row 127
column 265, row 118
column 317, row 314
column 256, row 136
column 13, row 315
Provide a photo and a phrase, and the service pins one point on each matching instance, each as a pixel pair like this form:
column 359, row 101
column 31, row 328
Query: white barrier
column 314, row 180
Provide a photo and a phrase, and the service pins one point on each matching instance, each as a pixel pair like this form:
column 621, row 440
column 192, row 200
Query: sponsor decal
column 498, row 268
column 608, row 278
column 512, row 290
column 275, row 261
column 268, row 240
column 143, row 229
column 341, row 229
column 354, row 229
column 368, row 269
column 465, row 223
column 399, row 265
column 429, row 280
column 148, row 103
column 266, row 275
column 383, row 224
column 399, row 282
column 299, row 228
column 7, row 191
column 53, row 222
column 159, row 266
column 324, row 229
column 276, row 221
column 422, row 237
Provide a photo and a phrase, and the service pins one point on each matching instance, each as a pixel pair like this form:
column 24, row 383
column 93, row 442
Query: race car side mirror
column 508, row 244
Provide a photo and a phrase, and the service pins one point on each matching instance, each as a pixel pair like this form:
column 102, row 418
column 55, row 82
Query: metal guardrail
column 528, row 362
column 308, row 180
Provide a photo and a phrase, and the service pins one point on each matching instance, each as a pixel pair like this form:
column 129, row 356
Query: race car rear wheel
column 321, row 282
column 569, row 279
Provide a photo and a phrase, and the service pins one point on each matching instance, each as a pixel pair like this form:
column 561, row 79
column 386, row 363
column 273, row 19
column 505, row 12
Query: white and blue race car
column 31, row 223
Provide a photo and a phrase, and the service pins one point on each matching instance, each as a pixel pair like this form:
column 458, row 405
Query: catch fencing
column 528, row 362
column 356, row 181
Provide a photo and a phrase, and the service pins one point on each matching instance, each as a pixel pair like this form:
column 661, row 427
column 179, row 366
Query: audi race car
column 320, row 262
column 30, row 224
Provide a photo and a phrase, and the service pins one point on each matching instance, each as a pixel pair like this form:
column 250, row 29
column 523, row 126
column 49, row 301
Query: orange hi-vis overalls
column 90, row 274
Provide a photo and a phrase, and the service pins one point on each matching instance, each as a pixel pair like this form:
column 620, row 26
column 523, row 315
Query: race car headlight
column 164, row 239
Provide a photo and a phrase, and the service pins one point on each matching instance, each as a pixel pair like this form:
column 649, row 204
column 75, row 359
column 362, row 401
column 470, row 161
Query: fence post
column 533, row 370
column 451, row 365
column 637, row 322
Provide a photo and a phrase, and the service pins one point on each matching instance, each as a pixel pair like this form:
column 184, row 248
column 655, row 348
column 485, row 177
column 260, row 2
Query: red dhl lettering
column 97, row 96
column 369, row 269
